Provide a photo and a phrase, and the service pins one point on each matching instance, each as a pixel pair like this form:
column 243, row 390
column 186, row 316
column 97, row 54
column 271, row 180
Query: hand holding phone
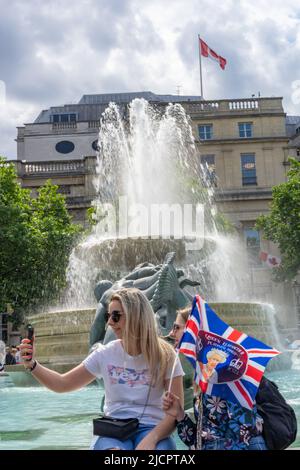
column 30, row 333
column 29, row 340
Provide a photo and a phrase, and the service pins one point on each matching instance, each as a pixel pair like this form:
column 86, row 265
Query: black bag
column 280, row 423
column 121, row 429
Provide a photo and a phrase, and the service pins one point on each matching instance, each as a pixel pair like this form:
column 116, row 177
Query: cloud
column 56, row 51
column 13, row 114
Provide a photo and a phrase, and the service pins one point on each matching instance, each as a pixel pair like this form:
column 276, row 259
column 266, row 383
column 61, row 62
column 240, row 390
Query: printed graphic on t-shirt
column 131, row 377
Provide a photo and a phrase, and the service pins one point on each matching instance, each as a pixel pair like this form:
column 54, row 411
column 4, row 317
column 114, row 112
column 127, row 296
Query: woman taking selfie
column 135, row 369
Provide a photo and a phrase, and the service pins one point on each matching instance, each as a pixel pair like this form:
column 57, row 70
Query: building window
column 95, row 146
column 209, row 167
column 252, row 239
column 63, row 117
column 245, row 129
column 205, row 132
column 248, row 169
column 64, row 189
column 65, row 146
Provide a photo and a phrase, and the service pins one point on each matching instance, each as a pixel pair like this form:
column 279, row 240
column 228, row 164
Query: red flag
column 208, row 52
column 263, row 256
column 269, row 260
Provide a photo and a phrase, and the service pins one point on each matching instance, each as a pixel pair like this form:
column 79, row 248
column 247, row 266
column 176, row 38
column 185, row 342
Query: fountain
column 145, row 162
column 147, row 165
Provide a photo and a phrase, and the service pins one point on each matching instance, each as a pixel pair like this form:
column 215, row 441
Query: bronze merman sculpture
column 162, row 284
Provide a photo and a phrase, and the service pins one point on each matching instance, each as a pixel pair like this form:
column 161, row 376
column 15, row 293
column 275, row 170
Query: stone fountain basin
column 62, row 337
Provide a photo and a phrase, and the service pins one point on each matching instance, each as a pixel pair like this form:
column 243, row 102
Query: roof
column 292, row 124
column 292, row 120
column 129, row 96
column 90, row 107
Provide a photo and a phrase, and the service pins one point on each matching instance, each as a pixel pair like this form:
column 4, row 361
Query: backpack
column 280, row 423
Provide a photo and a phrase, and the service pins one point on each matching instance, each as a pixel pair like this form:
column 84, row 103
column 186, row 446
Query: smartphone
column 30, row 338
column 30, row 333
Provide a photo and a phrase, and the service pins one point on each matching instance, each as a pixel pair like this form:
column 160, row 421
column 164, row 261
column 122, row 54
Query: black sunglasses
column 176, row 327
column 115, row 315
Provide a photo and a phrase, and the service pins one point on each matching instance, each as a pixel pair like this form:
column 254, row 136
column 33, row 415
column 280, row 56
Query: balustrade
column 54, row 167
column 58, row 126
column 222, row 106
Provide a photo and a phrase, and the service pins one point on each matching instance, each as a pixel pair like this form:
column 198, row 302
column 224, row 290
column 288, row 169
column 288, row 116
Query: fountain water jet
column 149, row 159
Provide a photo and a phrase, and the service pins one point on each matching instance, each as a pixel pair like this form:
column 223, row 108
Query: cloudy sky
column 52, row 52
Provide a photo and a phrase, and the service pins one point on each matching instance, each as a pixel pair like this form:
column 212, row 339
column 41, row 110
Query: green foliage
column 36, row 237
column 91, row 216
column 223, row 225
column 282, row 225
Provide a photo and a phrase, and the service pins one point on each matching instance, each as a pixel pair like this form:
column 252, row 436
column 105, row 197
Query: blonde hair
column 141, row 332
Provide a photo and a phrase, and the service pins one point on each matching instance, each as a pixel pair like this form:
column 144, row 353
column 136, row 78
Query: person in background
column 225, row 425
column 10, row 358
column 14, row 351
column 135, row 368
column 18, row 355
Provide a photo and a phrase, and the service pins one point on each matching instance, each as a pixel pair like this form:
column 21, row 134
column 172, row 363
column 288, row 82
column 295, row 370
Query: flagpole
column 200, row 67
column 173, row 370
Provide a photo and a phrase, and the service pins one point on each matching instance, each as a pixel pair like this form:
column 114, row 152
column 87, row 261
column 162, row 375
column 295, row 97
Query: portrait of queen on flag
column 228, row 363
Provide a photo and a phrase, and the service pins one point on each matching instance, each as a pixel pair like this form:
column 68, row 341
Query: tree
column 36, row 238
column 282, row 225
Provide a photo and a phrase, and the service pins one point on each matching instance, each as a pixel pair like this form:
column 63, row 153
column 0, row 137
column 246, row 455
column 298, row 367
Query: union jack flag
column 228, row 363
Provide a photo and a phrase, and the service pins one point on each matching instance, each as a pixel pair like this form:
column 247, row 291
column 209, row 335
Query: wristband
column 31, row 369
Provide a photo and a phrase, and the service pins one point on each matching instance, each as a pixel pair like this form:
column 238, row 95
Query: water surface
column 36, row 418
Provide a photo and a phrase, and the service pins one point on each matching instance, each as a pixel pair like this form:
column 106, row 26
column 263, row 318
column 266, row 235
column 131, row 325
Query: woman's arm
column 167, row 424
column 72, row 380
column 186, row 428
column 60, row 383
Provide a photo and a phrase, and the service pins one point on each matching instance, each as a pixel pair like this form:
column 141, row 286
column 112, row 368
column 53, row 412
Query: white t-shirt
column 126, row 383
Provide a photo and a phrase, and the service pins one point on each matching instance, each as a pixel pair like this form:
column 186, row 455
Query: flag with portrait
column 228, row 363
